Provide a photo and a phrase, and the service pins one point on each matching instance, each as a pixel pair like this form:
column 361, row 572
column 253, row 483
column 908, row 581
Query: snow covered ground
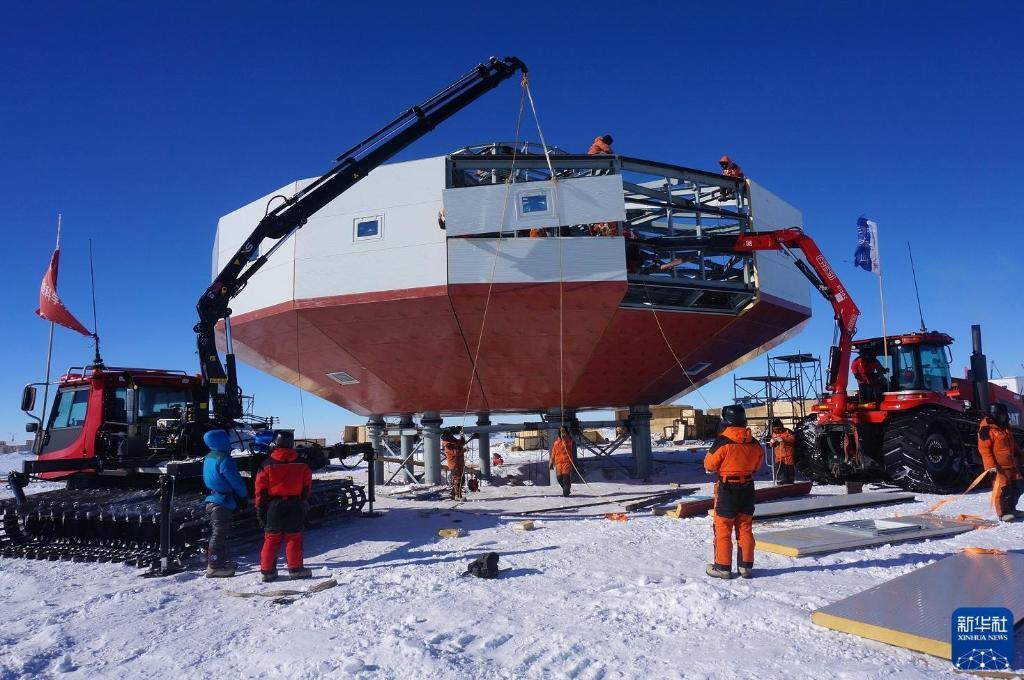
column 584, row 597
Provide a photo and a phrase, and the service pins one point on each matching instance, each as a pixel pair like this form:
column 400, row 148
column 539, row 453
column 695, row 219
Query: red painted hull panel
column 413, row 351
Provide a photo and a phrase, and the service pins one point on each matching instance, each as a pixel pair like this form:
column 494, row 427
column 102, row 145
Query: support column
column 484, row 442
column 374, row 431
column 431, row 422
column 408, row 441
column 640, row 440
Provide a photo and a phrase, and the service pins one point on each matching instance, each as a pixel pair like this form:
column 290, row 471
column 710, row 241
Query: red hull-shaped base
column 413, row 350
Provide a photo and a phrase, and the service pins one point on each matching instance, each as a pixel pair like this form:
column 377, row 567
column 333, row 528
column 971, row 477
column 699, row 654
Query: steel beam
column 543, row 425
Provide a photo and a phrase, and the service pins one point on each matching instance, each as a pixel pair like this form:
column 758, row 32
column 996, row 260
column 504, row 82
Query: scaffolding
column 792, row 379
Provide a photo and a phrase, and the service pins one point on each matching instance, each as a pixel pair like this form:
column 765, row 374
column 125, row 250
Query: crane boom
column 219, row 378
column 821, row 275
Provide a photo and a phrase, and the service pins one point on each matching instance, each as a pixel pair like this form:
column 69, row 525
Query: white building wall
column 775, row 272
column 326, row 258
column 517, row 260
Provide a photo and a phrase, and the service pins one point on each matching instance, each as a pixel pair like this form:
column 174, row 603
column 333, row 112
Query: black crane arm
column 219, row 378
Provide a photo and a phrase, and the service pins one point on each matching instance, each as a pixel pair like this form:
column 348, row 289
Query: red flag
column 50, row 306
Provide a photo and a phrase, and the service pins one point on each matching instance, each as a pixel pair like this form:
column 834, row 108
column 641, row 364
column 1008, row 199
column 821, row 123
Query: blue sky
column 145, row 122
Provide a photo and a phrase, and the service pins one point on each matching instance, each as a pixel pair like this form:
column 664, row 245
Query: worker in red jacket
column 1000, row 455
column 601, row 145
column 783, row 443
column 870, row 376
column 282, row 488
column 735, row 457
column 561, row 460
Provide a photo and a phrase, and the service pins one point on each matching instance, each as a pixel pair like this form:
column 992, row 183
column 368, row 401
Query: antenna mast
column 917, row 292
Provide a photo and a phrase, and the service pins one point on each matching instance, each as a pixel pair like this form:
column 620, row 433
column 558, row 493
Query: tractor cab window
column 903, row 368
column 934, row 368
column 155, row 400
column 69, row 408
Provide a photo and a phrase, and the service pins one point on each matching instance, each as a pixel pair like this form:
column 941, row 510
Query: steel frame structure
column 661, row 200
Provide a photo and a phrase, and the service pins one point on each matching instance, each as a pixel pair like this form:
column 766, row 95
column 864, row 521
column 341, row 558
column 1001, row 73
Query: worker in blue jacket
column 227, row 494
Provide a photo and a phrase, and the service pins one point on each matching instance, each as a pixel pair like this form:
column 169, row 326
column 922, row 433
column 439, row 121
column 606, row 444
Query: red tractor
column 917, row 426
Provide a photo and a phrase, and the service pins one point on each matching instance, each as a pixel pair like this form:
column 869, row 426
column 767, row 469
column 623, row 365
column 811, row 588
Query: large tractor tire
column 923, row 451
column 813, row 462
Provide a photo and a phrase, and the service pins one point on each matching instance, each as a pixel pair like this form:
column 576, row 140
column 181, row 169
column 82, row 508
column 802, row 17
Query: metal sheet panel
column 535, row 260
column 507, row 207
column 821, row 504
column 840, row 536
column 914, row 610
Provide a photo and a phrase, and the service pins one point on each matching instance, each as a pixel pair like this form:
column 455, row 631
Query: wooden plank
column 765, row 493
column 577, row 506
column 660, row 498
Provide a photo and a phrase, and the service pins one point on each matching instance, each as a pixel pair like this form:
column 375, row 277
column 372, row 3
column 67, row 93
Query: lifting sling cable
column 561, row 274
column 298, row 360
column 494, row 260
column 672, row 350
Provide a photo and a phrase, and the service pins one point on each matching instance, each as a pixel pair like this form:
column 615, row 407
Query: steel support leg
column 431, row 423
column 374, row 430
column 408, row 442
column 640, row 435
column 484, row 442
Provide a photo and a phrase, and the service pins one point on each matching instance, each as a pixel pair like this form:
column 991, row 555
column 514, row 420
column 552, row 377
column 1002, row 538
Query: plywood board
column 820, row 504
column 840, row 536
column 914, row 610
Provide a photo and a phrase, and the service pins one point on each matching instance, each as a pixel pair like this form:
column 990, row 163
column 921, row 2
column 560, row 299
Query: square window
column 534, row 203
column 368, row 228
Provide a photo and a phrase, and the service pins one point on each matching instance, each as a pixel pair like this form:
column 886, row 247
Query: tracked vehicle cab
column 916, row 362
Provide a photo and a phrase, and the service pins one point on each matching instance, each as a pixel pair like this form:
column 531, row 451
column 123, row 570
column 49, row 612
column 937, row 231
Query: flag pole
column 881, row 299
column 49, row 344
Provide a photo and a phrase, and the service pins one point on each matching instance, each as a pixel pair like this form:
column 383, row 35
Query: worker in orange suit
column 730, row 169
column 1000, row 455
column 601, row 145
column 537, row 232
column 783, row 443
column 455, row 457
column 561, row 460
column 735, row 457
column 870, row 376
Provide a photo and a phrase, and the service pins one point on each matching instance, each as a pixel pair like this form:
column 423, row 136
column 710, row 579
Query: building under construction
column 420, row 292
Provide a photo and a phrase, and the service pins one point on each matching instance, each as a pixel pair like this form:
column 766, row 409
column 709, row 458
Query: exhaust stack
column 979, row 371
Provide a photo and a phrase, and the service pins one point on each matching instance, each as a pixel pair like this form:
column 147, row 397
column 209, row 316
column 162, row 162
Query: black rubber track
column 905, row 443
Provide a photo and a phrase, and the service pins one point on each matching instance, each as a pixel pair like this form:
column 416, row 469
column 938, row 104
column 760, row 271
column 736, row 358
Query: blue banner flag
column 866, row 255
